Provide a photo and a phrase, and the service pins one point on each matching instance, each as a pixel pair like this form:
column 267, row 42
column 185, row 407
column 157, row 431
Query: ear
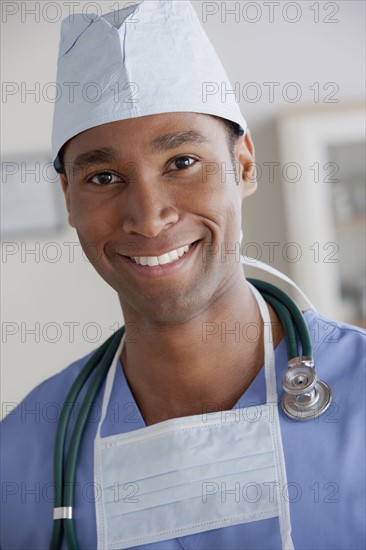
column 66, row 190
column 248, row 170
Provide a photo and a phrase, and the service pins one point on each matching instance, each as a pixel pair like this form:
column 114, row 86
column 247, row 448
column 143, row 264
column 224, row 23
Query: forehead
column 153, row 132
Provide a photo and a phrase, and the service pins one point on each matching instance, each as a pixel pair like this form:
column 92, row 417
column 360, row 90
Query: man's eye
column 103, row 178
column 181, row 163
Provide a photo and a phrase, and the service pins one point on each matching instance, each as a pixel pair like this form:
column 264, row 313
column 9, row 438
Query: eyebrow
column 97, row 156
column 105, row 155
column 172, row 141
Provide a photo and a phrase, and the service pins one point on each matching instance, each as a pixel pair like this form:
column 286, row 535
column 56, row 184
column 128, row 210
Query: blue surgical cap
column 148, row 58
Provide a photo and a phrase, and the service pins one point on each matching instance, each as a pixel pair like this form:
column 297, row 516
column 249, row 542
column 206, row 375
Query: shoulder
column 28, row 435
column 27, row 458
column 44, row 403
column 339, row 355
column 325, row 331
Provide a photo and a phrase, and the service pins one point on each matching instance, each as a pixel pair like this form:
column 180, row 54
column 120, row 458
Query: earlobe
column 250, row 180
column 66, row 190
column 248, row 165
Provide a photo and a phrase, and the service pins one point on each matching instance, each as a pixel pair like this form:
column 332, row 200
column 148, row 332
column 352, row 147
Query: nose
column 148, row 208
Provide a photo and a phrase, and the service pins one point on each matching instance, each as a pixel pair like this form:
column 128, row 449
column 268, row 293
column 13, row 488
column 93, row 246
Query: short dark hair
column 233, row 131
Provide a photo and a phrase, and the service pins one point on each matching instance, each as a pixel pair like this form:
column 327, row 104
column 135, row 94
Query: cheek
column 92, row 212
column 93, row 225
column 223, row 200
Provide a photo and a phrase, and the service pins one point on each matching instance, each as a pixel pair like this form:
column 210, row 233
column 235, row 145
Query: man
column 186, row 448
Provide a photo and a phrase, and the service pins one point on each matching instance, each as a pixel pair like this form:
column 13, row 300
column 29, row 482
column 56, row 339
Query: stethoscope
column 305, row 397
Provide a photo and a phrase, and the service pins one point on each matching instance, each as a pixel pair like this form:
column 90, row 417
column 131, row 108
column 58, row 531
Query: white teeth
column 173, row 255
column 166, row 258
column 152, row 260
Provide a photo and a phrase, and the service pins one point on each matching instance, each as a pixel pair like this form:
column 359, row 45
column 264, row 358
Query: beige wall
column 59, row 295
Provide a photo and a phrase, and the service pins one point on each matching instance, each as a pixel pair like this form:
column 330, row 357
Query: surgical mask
column 192, row 474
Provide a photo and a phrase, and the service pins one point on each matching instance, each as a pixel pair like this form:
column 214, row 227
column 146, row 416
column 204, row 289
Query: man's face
column 161, row 183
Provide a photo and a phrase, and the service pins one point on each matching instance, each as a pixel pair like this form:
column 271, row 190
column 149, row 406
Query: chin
column 171, row 308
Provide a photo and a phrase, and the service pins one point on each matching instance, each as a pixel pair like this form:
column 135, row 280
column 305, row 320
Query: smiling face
column 153, row 200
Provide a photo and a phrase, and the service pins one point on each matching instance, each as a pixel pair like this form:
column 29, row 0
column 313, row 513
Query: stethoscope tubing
column 298, row 318
column 286, row 322
column 64, row 480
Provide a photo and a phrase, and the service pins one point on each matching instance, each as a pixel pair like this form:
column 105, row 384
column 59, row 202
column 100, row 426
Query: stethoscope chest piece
column 305, row 396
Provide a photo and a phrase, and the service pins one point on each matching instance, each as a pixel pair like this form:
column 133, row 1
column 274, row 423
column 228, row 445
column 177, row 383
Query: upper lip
column 139, row 254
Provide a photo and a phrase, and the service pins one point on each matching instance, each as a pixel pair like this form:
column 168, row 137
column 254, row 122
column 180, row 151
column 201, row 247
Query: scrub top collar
column 124, row 415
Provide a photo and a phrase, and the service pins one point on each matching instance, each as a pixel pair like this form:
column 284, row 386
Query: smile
column 167, row 258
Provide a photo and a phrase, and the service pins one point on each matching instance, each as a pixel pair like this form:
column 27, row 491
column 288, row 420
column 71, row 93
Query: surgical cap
column 148, row 58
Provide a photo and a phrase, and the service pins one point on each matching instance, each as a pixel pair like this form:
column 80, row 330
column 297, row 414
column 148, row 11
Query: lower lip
column 158, row 271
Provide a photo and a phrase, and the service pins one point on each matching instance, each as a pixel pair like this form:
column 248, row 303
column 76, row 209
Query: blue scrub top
column 325, row 457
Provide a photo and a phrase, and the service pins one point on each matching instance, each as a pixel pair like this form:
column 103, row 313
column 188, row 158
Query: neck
column 200, row 365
